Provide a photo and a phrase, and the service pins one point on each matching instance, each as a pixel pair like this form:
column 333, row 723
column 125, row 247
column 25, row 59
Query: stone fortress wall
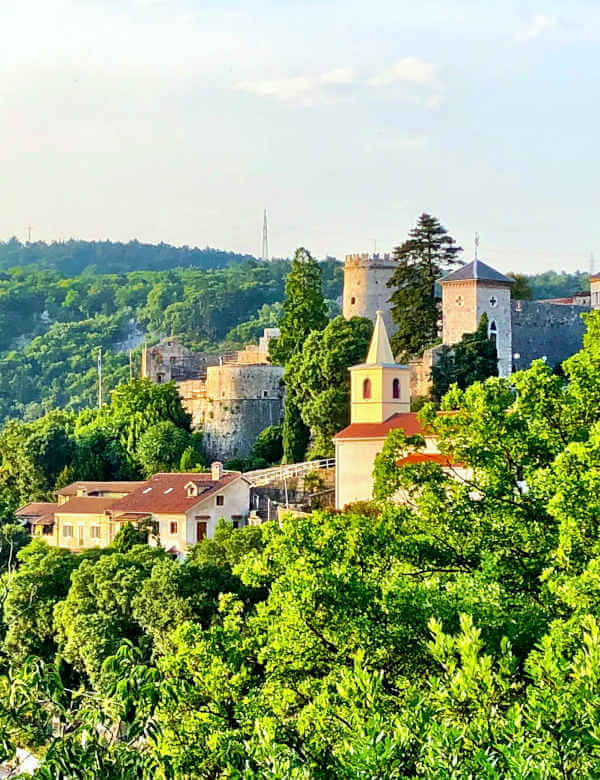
column 365, row 287
column 231, row 398
column 545, row 330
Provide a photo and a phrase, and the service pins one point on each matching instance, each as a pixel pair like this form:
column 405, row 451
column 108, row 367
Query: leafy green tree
column 473, row 359
column 41, row 581
column 13, row 538
column 127, row 537
column 521, row 289
column 427, row 253
column 304, row 307
column 161, row 447
column 269, row 444
column 318, row 381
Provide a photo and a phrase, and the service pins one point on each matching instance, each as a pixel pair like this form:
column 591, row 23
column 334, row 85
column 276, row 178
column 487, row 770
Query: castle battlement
column 366, row 258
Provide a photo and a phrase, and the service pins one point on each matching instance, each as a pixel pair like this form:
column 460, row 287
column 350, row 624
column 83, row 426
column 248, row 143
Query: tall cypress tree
column 304, row 310
column 426, row 255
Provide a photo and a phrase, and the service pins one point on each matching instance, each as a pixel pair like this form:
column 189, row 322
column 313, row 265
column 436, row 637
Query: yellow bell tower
column 380, row 387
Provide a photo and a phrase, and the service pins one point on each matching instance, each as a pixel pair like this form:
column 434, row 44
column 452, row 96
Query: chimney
column 217, row 470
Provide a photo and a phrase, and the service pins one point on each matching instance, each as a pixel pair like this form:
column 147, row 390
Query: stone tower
column 471, row 291
column 365, row 287
column 379, row 388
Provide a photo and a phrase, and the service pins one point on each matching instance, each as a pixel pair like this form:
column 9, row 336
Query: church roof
column 476, row 270
column 380, row 350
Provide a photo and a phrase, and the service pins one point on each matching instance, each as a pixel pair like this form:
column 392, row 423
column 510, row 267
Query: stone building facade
column 468, row 293
column 231, row 398
column 365, row 287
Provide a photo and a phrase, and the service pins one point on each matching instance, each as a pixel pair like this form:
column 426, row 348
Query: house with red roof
column 179, row 509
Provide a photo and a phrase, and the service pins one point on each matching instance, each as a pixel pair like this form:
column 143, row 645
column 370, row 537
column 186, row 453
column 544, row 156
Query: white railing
column 283, row 473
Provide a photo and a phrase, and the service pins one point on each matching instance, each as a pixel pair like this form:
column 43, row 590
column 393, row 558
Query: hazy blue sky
column 180, row 121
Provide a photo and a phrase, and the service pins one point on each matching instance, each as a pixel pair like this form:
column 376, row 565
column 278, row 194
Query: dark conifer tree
column 426, row 255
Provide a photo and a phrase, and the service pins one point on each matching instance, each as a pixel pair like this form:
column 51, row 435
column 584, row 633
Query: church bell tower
column 380, row 387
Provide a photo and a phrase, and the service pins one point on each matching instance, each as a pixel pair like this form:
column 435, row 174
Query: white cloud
column 339, row 76
column 408, row 70
column 334, row 84
column 288, row 89
column 540, row 24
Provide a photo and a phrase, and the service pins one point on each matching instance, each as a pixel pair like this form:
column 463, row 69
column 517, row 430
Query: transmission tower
column 265, row 241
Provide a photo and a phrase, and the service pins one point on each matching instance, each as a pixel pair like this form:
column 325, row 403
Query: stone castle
column 231, row 397
column 521, row 330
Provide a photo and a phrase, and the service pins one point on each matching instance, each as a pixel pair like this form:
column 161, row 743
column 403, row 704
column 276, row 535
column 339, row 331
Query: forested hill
column 74, row 257
column 52, row 325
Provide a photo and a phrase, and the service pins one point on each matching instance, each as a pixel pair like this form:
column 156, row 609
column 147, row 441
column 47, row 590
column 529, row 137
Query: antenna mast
column 265, row 239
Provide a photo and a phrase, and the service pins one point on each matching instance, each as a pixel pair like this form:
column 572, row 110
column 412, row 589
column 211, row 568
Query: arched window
column 493, row 334
column 367, row 388
column 396, row 388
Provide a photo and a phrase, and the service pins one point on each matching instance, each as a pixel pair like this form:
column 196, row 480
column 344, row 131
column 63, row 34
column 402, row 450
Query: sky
column 180, row 121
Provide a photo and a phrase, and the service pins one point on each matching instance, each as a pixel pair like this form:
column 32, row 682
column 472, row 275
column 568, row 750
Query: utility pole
column 28, row 229
column 265, row 239
column 100, row 378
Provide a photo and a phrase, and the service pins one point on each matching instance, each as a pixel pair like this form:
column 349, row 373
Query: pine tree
column 304, row 308
column 425, row 256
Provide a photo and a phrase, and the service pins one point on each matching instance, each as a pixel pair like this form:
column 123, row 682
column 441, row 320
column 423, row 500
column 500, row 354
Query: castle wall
column 553, row 331
column 365, row 287
column 236, row 404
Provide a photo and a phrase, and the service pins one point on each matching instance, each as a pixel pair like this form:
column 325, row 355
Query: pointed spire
column 380, row 350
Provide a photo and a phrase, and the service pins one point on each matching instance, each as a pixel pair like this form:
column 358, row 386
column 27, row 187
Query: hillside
column 52, row 325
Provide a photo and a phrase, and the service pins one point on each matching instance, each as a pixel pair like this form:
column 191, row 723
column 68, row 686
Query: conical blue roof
column 477, row 270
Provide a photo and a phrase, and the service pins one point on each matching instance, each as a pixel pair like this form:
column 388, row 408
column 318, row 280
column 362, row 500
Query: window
column 201, row 530
column 168, row 490
column 68, row 531
column 159, row 378
column 353, row 300
column 367, row 388
column 47, row 529
column 236, row 521
column 95, row 532
column 220, row 500
column 147, row 490
column 493, row 301
column 460, row 301
column 493, row 334
column 396, row 388
column 173, row 527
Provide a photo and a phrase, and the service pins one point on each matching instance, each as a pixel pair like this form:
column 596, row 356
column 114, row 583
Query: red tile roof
column 36, row 509
column 408, row 422
column 167, row 494
column 91, row 487
column 85, row 505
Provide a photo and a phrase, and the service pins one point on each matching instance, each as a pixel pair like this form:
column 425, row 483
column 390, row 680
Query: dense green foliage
column 304, row 311
column 317, row 379
column 52, row 326
column 455, row 634
column 520, row 290
column 73, row 257
column 473, row 359
column 144, row 426
column 426, row 254
column 557, row 284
